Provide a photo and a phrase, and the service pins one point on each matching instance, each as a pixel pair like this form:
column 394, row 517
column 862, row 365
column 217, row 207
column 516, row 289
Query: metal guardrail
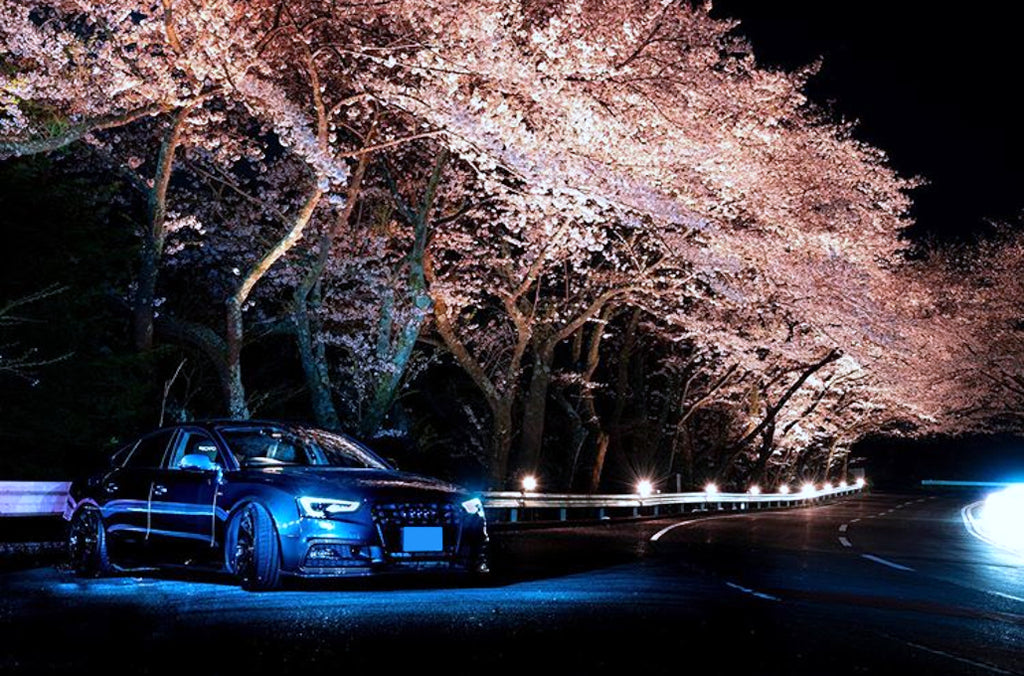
column 950, row 483
column 522, row 505
column 47, row 498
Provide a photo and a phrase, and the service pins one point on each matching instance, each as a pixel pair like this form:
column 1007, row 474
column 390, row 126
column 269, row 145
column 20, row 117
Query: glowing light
column 529, row 483
column 826, row 486
column 644, row 488
column 784, row 489
column 843, row 484
column 473, row 506
column 325, row 508
column 1000, row 517
column 860, row 482
column 755, row 490
column 807, row 489
column 711, row 489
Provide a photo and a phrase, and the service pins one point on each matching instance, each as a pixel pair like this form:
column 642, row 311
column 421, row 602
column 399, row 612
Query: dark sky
column 935, row 87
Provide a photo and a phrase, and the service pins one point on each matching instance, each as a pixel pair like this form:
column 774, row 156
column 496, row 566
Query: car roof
column 220, row 423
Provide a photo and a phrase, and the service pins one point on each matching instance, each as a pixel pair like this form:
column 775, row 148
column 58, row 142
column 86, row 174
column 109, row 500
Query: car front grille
column 414, row 514
column 391, row 518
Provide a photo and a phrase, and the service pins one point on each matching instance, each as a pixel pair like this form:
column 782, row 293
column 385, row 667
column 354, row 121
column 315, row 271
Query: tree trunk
column 687, row 455
column 389, row 381
column 154, row 236
column 237, row 407
column 314, row 364
column 764, row 455
column 535, row 410
column 501, row 443
column 397, row 353
column 828, row 460
column 601, row 454
column 733, row 452
column 621, row 387
column 145, row 293
column 312, row 352
column 578, row 433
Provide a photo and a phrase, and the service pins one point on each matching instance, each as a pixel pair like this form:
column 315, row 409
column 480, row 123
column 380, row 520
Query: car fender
column 74, row 507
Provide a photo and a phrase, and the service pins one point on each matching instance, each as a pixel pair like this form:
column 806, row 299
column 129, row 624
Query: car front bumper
column 321, row 548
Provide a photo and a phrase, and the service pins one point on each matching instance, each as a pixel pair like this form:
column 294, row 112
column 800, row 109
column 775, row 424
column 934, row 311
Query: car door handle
column 159, row 490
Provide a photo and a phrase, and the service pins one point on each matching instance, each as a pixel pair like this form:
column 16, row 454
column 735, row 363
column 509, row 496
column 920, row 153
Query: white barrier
column 33, row 498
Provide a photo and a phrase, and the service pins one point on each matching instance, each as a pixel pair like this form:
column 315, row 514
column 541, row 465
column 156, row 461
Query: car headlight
column 474, row 506
column 325, row 508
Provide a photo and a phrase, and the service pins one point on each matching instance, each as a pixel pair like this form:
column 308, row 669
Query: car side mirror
column 198, row 462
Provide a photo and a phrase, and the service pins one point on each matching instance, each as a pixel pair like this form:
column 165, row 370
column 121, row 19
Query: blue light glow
column 1000, row 518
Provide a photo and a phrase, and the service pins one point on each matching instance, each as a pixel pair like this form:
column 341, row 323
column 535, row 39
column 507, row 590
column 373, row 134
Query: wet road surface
column 873, row 584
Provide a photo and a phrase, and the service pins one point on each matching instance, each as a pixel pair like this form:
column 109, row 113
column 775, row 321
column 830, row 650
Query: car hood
column 362, row 484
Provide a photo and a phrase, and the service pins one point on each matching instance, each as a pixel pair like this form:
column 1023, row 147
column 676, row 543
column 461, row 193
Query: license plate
column 422, row 539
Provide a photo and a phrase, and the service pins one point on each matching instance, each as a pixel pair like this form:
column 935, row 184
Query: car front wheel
column 87, row 544
column 254, row 553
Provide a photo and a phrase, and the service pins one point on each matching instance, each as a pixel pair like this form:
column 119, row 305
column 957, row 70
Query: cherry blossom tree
column 562, row 195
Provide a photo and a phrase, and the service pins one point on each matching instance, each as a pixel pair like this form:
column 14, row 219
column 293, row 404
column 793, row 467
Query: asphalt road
column 873, row 584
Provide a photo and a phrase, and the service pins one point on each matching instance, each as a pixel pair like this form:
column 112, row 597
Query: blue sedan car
column 262, row 500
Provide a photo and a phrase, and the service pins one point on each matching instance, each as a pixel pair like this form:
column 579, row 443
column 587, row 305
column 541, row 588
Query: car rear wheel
column 87, row 544
column 254, row 550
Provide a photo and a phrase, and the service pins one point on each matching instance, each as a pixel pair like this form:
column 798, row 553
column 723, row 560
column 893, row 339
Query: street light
column 529, row 483
column 860, row 482
column 755, row 490
column 711, row 489
column 808, row 488
column 644, row 488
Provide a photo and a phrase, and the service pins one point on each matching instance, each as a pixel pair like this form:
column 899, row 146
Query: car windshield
column 262, row 446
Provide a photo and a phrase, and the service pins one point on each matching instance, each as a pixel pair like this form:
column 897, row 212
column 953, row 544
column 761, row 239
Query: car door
column 183, row 508
column 125, row 492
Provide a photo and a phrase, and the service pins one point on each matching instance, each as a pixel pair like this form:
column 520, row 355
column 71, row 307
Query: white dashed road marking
column 1005, row 596
column 844, row 542
column 760, row 595
column 876, row 559
column 943, row 653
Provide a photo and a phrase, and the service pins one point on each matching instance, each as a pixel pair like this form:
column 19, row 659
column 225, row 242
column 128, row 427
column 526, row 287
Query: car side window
column 149, row 452
column 193, row 442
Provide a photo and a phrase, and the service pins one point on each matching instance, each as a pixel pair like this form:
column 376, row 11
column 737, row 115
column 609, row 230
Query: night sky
column 934, row 87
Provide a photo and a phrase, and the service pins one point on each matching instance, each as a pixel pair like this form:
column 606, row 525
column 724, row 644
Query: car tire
column 87, row 544
column 253, row 550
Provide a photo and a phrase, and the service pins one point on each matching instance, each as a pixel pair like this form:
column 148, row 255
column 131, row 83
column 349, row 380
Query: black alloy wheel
column 87, row 544
column 254, row 549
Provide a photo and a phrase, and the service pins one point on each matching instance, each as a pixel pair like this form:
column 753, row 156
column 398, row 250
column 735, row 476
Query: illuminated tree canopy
column 633, row 245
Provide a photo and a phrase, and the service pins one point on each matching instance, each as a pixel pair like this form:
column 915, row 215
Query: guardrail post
column 561, row 514
column 513, row 515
